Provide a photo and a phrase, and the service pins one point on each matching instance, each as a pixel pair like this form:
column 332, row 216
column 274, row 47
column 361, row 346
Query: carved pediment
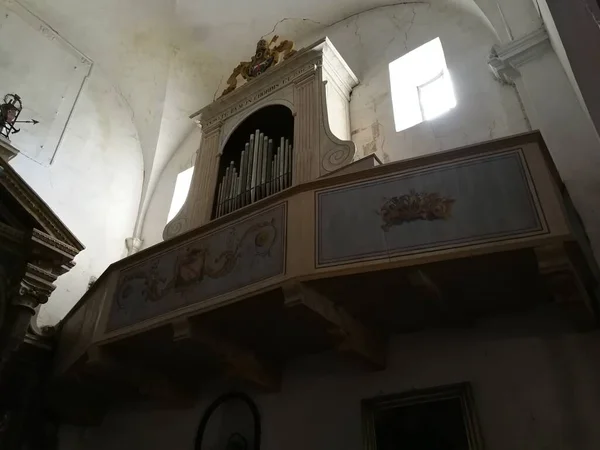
column 23, row 209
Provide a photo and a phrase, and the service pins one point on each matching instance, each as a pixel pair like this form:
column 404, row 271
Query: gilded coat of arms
column 266, row 56
column 415, row 206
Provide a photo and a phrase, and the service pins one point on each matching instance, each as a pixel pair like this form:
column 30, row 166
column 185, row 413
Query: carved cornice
column 36, row 286
column 292, row 71
column 215, row 113
column 54, row 244
column 7, row 151
column 35, row 206
column 338, row 71
column 505, row 60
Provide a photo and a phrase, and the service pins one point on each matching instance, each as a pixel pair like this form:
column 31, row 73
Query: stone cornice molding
column 505, row 60
column 37, row 208
column 36, row 286
column 7, row 151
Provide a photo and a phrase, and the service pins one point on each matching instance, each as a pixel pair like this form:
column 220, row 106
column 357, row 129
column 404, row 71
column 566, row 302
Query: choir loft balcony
column 337, row 263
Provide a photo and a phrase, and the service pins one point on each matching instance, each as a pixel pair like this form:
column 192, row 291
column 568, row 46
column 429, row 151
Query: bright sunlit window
column 421, row 85
column 182, row 186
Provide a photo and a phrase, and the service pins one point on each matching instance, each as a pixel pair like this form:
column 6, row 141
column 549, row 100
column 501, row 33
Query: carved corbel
column 239, row 362
column 350, row 335
column 148, row 383
column 563, row 283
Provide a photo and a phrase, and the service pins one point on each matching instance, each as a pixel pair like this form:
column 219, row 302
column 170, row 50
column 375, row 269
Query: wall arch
column 234, row 122
column 255, row 440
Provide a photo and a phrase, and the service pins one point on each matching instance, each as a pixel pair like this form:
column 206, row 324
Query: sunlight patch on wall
column 182, row 187
column 421, row 86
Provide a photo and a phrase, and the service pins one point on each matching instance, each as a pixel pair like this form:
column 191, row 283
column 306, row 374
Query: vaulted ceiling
column 168, row 58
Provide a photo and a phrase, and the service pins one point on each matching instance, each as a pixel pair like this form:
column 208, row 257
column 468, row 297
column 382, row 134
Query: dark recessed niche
column 277, row 123
column 440, row 418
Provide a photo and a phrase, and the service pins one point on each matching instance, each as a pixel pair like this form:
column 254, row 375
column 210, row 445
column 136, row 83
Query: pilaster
column 552, row 106
column 205, row 176
column 305, row 166
column 505, row 60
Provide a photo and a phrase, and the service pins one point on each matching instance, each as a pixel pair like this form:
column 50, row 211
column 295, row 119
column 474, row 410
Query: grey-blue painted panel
column 488, row 198
column 247, row 252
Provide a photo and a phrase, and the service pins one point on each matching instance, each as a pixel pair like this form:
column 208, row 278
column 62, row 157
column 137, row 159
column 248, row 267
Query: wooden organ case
column 287, row 126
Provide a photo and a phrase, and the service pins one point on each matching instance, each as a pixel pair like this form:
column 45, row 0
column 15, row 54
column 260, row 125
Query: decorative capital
column 35, row 287
column 133, row 245
column 505, row 60
column 28, row 298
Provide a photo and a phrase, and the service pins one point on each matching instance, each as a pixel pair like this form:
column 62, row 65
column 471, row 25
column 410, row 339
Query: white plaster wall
column 575, row 29
column 93, row 185
column 569, row 134
column 192, row 81
column 156, row 217
column 530, row 393
column 155, row 63
column 370, row 41
column 129, row 39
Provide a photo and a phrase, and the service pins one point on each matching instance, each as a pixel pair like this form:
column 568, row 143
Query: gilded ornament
column 415, row 206
column 266, row 56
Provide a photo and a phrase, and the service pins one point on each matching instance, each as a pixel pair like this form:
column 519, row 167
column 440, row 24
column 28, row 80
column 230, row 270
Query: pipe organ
column 314, row 85
column 263, row 170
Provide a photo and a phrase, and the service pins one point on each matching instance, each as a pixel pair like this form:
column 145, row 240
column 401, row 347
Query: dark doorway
column 436, row 419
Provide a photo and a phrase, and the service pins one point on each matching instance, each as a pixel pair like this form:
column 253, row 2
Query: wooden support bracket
column 564, row 284
column 239, row 362
column 148, row 383
column 420, row 280
column 351, row 336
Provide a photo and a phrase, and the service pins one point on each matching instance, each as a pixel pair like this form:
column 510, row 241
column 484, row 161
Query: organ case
column 248, row 151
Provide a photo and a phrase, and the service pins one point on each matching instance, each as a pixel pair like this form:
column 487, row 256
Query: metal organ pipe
column 263, row 171
column 268, row 167
column 249, row 176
